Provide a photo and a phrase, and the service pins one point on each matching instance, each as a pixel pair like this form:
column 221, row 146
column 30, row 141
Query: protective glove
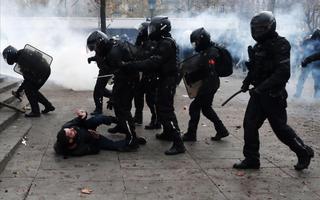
column 304, row 63
column 250, row 53
column 254, row 92
column 244, row 88
column 91, row 59
column 109, row 104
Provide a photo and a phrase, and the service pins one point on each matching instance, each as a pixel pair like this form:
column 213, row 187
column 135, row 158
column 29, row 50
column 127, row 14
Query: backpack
column 224, row 66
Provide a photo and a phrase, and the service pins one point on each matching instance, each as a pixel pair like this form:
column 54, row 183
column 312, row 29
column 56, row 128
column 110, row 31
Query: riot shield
column 33, row 57
column 190, row 69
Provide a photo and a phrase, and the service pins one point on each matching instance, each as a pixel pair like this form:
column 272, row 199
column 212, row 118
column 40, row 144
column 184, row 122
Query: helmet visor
column 151, row 29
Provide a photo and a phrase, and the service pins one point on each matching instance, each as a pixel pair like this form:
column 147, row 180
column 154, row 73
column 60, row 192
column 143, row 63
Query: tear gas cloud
column 65, row 40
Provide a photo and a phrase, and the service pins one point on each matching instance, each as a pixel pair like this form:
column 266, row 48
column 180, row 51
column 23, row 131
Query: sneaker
column 48, row 109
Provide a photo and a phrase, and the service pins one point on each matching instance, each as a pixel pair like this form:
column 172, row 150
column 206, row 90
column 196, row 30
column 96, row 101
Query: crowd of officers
column 150, row 67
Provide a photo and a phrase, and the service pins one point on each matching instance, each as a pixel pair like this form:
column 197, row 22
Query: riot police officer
column 269, row 71
column 200, row 39
column 163, row 61
column 97, row 41
column 35, row 70
column 123, row 90
column 147, row 84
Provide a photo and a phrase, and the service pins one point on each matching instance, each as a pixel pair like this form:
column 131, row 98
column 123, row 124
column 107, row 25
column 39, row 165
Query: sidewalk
column 203, row 172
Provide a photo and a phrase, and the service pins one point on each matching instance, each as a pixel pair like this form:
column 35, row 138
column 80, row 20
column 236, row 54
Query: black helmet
column 94, row 38
column 200, row 39
column 10, row 54
column 159, row 26
column 316, row 35
column 263, row 25
column 143, row 29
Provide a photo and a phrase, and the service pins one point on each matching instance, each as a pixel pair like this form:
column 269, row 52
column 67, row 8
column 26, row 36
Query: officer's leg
column 316, row 80
column 277, row 116
column 253, row 120
column 44, row 101
column 302, row 78
column 208, row 112
column 139, row 102
column 194, row 112
column 32, row 96
column 98, row 92
column 151, row 99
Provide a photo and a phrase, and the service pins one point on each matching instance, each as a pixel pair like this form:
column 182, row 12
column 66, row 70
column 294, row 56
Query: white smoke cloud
column 61, row 38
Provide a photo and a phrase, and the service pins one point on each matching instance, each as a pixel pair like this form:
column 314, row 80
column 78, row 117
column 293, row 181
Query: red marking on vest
column 212, row 62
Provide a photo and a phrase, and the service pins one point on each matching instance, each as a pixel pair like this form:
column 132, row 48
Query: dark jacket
column 85, row 143
column 33, row 66
column 312, row 58
column 269, row 66
column 163, row 59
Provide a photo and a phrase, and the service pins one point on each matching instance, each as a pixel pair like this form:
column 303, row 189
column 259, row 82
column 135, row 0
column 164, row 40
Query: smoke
column 61, row 38
column 233, row 31
column 64, row 38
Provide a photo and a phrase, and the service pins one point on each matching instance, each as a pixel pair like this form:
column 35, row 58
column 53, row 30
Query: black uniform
column 310, row 59
column 100, row 90
column 148, row 84
column 123, row 90
column 100, row 43
column 210, row 85
column 35, row 71
column 164, row 63
column 269, row 71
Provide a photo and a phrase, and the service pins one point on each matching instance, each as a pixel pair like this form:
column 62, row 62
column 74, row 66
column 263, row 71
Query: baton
column 235, row 94
column 104, row 76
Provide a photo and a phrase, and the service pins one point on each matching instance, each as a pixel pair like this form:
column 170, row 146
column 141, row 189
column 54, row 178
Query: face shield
column 151, row 29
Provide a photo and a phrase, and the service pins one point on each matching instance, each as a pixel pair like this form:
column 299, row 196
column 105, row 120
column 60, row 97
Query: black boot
column 164, row 136
column 246, row 164
column 153, row 125
column 221, row 133
column 177, row 147
column 304, row 160
column 114, row 130
column 32, row 114
column 141, row 140
column 96, row 112
column 138, row 118
column 189, row 137
column 48, row 109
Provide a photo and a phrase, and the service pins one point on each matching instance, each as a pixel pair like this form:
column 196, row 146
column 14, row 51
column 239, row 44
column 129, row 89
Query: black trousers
column 34, row 96
column 260, row 108
column 165, row 105
column 203, row 102
column 147, row 85
column 100, row 90
column 123, row 92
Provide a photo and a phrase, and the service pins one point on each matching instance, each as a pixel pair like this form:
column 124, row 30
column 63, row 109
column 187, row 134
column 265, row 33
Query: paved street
column 203, row 172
